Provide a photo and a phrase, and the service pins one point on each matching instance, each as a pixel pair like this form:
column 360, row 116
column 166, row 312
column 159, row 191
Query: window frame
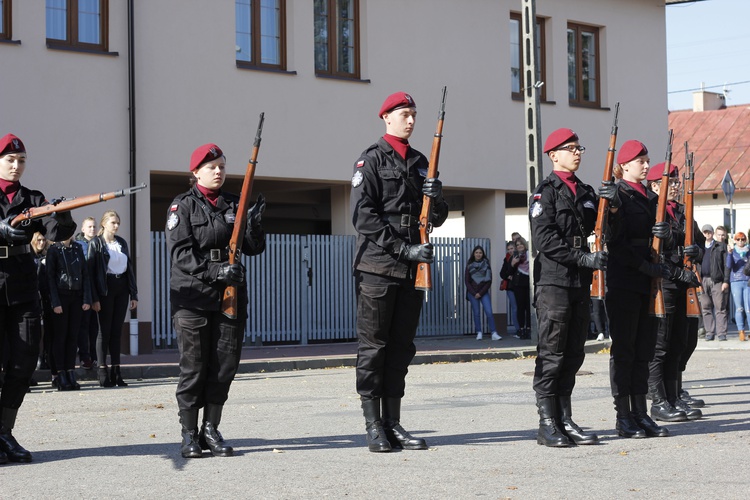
column 332, row 44
column 256, row 61
column 541, row 23
column 578, row 28
column 6, row 27
column 71, row 29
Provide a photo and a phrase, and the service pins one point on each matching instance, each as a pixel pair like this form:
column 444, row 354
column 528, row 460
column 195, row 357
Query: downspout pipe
column 132, row 172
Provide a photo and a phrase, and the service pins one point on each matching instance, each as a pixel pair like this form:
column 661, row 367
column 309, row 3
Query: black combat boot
column 549, row 434
column 189, row 421
column 397, row 436
column 683, row 395
column 116, row 377
column 661, row 407
column 639, row 409
column 626, row 425
column 211, row 438
column 672, row 395
column 376, row 440
column 63, row 384
column 570, row 428
column 74, row 385
column 8, row 444
column 104, row 380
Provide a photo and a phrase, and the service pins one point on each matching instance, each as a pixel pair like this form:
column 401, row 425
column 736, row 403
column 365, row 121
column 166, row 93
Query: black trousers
column 210, row 350
column 671, row 337
column 691, row 342
column 87, row 333
column 633, row 335
column 564, row 318
column 65, row 332
column 114, row 307
column 20, row 334
column 388, row 312
column 523, row 306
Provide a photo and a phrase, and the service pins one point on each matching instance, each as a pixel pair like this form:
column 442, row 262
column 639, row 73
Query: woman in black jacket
column 113, row 289
column 478, row 280
column 70, row 295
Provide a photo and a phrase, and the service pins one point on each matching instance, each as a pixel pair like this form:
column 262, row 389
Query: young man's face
column 720, row 235
column 566, row 157
column 400, row 122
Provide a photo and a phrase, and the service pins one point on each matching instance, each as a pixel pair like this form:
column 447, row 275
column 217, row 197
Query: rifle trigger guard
column 429, row 227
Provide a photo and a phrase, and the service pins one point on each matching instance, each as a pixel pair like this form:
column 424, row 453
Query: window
column 337, row 38
column 81, row 24
column 517, row 53
column 5, row 32
column 260, row 33
column 583, row 65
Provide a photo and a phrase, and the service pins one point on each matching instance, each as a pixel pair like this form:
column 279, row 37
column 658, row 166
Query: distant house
column 719, row 136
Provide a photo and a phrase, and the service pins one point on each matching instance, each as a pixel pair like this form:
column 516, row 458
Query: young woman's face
column 39, row 242
column 112, row 225
column 478, row 254
column 520, row 247
column 511, row 248
column 12, row 166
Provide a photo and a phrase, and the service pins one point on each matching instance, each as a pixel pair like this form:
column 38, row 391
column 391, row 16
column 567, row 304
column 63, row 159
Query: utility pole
column 532, row 126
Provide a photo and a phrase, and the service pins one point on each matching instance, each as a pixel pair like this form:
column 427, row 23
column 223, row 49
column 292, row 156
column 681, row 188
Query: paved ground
column 299, row 434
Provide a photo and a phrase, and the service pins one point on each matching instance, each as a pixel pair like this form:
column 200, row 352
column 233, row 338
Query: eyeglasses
column 740, row 239
column 572, row 149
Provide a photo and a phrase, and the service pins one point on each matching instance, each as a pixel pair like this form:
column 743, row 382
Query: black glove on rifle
column 10, row 233
column 417, row 253
column 608, row 191
column 433, row 188
column 596, row 260
column 682, row 275
column 255, row 213
column 231, row 274
column 692, row 251
column 663, row 231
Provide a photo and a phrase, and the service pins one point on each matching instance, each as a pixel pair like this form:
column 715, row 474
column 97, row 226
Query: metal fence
column 302, row 290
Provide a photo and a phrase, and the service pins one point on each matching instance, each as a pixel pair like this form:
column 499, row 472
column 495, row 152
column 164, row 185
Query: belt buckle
column 405, row 220
column 215, row 255
column 577, row 242
column 3, row 252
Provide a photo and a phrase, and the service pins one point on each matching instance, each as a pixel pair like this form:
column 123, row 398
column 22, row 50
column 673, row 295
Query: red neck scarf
column 639, row 188
column 399, row 145
column 568, row 178
column 10, row 188
column 671, row 206
column 210, row 194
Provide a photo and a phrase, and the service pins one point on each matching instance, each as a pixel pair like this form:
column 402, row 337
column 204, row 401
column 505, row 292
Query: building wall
column 71, row 108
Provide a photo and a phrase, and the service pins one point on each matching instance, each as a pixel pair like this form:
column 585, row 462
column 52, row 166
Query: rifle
column 63, row 205
column 424, row 275
column 597, row 280
column 693, row 307
column 229, row 301
column 656, row 304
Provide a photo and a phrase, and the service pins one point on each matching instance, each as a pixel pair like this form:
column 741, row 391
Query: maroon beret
column 558, row 138
column 396, row 101
column 11, row 144
column 630, row 151
column 203, row 154
column 655, row 172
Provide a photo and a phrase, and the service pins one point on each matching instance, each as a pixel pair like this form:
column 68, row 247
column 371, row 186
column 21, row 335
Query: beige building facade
column 169, row 80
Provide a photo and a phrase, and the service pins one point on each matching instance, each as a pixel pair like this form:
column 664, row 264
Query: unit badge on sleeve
column 172, row 220
column 357, row 178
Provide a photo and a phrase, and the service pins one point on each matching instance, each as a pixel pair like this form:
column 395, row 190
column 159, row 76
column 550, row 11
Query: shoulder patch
column 360, row 163
column 357, row 178
column 173, row 220
column 589, row 204
column 536, row 209
column 174, row 207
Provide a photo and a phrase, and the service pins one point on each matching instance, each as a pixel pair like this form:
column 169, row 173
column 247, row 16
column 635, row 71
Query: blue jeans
column 486, row 302
column 740, row 294
column 513, row 309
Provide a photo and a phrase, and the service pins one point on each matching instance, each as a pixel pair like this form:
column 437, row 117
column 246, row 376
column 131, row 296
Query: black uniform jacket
column 67, row 273
column 630, row 243
column 560, row 225
column 98, row 260
column 194, row 229
column 18, row 273
column 386, row 190
column 674, row 253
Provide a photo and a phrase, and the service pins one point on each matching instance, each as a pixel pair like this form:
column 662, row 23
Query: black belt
column 117, row 276
column 217, row 254
column 575, row 241
column 403, row 220
column 6, row 252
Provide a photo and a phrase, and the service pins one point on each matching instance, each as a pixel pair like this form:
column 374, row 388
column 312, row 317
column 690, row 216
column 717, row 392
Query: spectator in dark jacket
column 715, row 297
column 478, row 279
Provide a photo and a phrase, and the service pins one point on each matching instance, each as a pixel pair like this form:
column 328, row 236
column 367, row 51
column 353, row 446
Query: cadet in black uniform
column 563, row 214
column 387, row 192
column 20, row 310
column 672, row 329
column 199, row 226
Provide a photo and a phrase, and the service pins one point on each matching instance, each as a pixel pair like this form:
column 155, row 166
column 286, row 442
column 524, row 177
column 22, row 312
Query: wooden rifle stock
column 423, row 280
column 693, row 306
column 656, row 303
column 597, row 280
column 63, row 205
column 229, row 300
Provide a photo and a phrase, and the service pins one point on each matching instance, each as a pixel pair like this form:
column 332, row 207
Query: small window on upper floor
column 79, row 24
column 5, row 24
column 518, row 53
column 260, row 33
column 337, row 38
column 583, row 65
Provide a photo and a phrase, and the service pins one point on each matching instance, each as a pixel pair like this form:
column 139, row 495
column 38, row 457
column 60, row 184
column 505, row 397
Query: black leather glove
column 692, row 251
column 231, row 274
column 10, row 233
column 608, row 191
column 682, row 275
column 256, row 211
column 662, row 230
column 654, row 270
column 418, row 253
column 433, row 188
column 596, row 260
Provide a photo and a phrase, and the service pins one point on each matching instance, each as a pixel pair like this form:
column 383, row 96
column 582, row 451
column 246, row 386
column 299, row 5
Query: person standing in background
column 737, row 261
column 89, row 328
column 715, row 281
column 478, row 281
